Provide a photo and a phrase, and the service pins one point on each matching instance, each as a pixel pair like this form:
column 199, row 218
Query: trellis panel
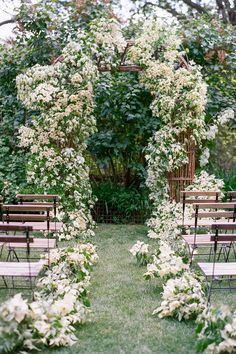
column 180, row 178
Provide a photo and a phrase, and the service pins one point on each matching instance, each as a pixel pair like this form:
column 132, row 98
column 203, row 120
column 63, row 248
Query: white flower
column 204, row 157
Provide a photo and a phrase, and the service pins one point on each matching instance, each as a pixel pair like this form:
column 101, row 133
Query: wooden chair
column 191, row 197
column 220, row 271
column 36, row 216
column 221, row 211
column 25, row 271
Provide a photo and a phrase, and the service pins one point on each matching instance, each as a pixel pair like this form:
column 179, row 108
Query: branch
column 195, row 6
column 221, row 10
column 166, row 7
column 227, row 5
column 6, row 22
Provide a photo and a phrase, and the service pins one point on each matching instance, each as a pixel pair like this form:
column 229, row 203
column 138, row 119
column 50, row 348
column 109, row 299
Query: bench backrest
column 227, row 226
column 191, row 197
column 24, row 213
column 231, row 196
column 227, row 210
column 45, row 199
column 6, row 238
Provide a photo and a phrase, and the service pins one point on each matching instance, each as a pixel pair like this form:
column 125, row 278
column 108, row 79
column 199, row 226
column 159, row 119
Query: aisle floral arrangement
column 60, row 303
column 183, row 296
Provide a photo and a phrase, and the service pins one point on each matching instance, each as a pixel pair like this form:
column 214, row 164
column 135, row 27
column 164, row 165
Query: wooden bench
column 220, row 271
column 18, row 269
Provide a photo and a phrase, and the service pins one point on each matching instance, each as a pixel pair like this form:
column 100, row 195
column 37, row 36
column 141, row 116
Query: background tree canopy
column 185, row 9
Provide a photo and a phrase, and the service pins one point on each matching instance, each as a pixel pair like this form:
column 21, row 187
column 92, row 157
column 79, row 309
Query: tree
column 183, row 9
column 41, row 33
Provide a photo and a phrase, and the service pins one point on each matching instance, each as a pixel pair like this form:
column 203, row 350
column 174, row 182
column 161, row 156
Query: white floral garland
column 60, row 303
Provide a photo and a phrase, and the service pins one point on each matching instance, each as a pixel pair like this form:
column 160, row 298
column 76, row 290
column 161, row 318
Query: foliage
column 165, row 264
column 141, row 251
column 183, row 294
column 124, row 125
column 42, row 31
column 211, row 44
column 127, row 201
column 188, row 10
column 214, row 328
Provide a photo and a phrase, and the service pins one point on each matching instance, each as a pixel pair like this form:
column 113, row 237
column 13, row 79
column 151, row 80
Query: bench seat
column 20, row 269
column 191, row 222
column 38, row 243
column 202, row 239
column 221, row 269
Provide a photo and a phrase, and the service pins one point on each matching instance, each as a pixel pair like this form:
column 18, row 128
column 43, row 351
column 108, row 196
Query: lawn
column 122, row 303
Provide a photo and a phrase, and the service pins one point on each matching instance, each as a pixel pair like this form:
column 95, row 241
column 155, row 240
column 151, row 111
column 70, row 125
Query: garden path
column 122, row 303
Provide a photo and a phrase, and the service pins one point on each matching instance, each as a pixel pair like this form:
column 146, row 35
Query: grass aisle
column 122, row 303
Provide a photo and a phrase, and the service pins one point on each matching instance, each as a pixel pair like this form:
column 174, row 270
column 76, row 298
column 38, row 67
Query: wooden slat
column 24, row 217
column 15, row 239
column 231, row 193
column 37, row 196
column 216, row 214
column 38, row 226
column 38, row 243
column 202, row 201
column 221, row 269
column 43, row 204
column 213, row 205
column 224, row 225
column 201, row 222
column 15, row 227
column 23, row 208
column 20, row 269
column 203, row 239
column 230, row 238
column 200, row 193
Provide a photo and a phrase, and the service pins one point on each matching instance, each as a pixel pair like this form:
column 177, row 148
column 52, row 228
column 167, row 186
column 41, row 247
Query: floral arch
column 62, row 97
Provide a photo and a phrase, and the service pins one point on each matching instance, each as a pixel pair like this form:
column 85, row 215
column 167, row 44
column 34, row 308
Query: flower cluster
column 206, row 182
column 165, row 264
column 182, row 297
column 42, row 322
column 60, row 303
column 141, row 251
column 63, row 94
column 104, row 42
column 216, row 328
column 164, row 221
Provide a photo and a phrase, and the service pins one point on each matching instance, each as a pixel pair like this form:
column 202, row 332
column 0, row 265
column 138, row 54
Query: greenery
column 127, row 201
column 124, row 119
column 42, row 31
column 124, row 125
column 211, row 44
